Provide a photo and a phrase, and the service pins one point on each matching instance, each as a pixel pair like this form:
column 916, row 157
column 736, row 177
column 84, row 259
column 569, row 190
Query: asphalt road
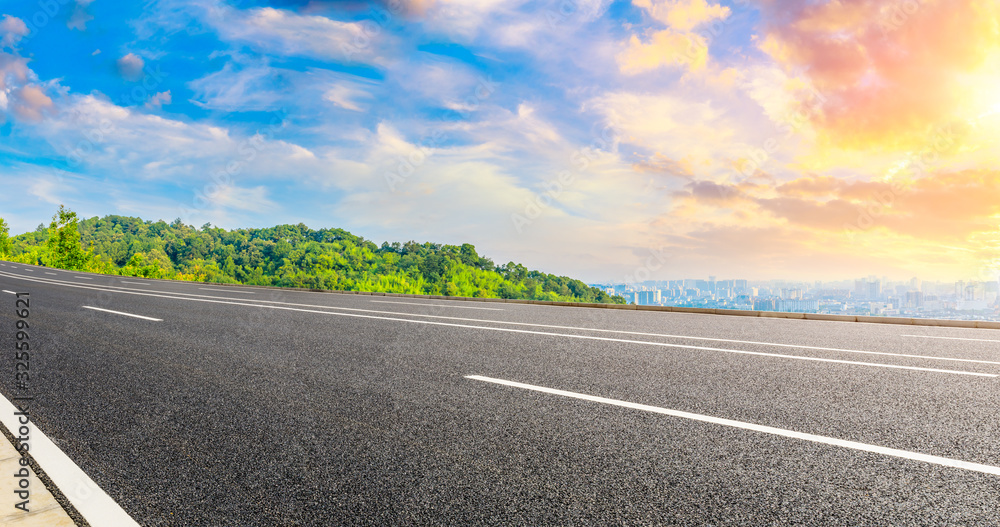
column 250, row 406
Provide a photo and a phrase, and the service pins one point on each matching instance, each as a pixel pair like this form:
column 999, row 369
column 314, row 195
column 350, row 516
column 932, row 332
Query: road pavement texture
column 255, row 406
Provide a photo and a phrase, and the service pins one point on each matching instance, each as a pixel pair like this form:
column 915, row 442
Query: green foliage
column 64, row 247
column 5, row 244
column 287, row 256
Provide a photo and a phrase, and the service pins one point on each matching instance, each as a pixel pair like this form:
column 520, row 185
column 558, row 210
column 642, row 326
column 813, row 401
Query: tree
column 65, row 251
column 5, row 245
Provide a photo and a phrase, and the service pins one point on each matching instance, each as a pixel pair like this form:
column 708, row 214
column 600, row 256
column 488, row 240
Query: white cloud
column 157, row 101
column 12, row 30
column 78, row 20
column 130, row 66
column 282, row 32
column 235, row 88
column 346, row 97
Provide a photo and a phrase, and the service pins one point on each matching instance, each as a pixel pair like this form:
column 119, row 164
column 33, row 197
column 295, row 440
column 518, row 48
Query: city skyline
column 869, row 296
column 755, row 138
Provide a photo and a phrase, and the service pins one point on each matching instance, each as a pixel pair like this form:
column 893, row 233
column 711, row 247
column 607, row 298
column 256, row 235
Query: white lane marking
column 11, row 292
column 83, row 277
column 136, row 283
column 53, row 274
column 125, row 314
column 436, row 305
column 209, row 299
column 29, row 270
column 949, row 338
column 12, row 267
column 575, row 328
column 87, row 497
column 895, row 452
column 615, row 331
column 228, row 291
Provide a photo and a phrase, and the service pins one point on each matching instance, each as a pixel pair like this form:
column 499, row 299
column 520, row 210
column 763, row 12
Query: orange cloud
column 31, row 102
column 678, row 44
column 887, row 71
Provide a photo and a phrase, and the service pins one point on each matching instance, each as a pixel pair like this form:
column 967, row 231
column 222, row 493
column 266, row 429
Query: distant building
column 648, row 298
column 797, row 305
column 914, row 299
column 765, row 304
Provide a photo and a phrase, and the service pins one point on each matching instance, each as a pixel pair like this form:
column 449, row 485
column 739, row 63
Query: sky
column 604, row 140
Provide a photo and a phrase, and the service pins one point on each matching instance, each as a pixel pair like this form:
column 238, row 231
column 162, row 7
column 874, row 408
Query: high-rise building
column 648, row 298
column 914, row 299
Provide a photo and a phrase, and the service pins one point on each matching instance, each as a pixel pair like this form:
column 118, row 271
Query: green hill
column 285, row 255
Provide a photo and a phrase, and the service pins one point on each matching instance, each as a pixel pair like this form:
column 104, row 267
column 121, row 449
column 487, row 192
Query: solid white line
column 436, row 305
column 83, row 277
column 53, row 274
column 125, row 314
column 587, row 337
column 11, row 292
column 86, row 496
column 949, row 338
column 905, row 454
column 136, row 283
column 613, row 331
column 228, row 291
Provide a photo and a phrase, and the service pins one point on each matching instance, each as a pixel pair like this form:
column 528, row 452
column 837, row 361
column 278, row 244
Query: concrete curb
column 931, row 322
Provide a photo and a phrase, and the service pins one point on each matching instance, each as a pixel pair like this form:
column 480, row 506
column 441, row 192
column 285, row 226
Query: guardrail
column 981, row 324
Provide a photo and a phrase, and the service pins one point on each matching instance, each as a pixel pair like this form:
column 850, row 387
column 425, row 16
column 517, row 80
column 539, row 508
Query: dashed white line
column 53, row 274
column 136, row 283
column 124, row 314
column 436, row 305
column 11, row 292
column 83, row 277
column 949, row 338
column 680, row 346
column 29, row 270
column 895, row 452
column 228, row 291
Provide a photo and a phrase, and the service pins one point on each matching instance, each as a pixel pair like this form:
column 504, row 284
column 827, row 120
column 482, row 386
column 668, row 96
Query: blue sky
column 580, row 137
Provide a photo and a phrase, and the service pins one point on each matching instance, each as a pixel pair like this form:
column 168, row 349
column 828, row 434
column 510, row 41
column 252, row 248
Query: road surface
column 254, row 406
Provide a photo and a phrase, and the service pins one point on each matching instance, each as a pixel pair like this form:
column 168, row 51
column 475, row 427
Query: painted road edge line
column 124, row 314
column 95, row 505
column 895, row 452
column 436, row 305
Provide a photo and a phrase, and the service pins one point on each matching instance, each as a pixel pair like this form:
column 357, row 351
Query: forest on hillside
column 284, row 255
